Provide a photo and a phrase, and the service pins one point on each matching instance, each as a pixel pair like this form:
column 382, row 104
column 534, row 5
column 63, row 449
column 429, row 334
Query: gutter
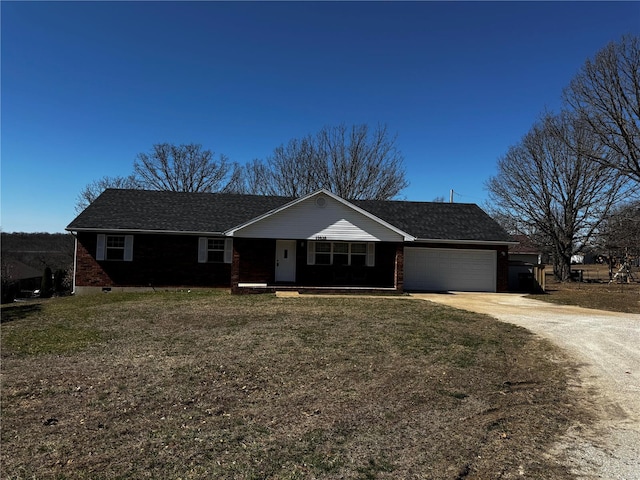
column 75, row 261
column 132, row 231
column 465, row 242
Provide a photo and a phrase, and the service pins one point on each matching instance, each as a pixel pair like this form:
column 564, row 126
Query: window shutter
column 100, row 246
column 128, row 248
column 228, row 250
column 371, row 254
column 311, row 253
column 202, row 249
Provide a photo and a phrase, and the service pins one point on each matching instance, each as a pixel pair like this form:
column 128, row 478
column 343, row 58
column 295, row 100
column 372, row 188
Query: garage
column 444, row 269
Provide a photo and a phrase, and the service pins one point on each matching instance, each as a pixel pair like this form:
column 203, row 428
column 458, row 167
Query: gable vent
column 321, row 202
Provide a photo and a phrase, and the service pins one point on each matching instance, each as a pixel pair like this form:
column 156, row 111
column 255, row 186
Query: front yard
column 209, row 385
column 595, row 291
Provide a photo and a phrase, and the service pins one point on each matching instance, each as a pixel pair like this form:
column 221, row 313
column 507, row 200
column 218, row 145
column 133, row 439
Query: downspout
column 75, row 260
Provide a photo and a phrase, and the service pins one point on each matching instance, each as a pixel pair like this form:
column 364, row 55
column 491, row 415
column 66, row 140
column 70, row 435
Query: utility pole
column 451, row 196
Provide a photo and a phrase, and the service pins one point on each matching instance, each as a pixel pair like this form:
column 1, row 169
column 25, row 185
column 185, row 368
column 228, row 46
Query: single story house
column 146, row 239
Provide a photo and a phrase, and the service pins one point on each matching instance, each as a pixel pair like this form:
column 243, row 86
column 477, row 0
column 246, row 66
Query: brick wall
column 503, row 269
column 257, row 259
column 158, row 260
column 172, row 260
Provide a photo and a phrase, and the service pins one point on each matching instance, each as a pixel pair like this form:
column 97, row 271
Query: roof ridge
column 171, row 192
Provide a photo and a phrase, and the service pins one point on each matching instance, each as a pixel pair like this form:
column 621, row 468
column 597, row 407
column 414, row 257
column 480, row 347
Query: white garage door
column 442, row 269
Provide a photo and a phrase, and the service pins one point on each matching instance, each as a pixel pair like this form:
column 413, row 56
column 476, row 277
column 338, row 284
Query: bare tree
column 292, row 170
column 620, row 231
column 255, row 179
column 95, row 188
column 235, row 181
column 182, row 168
column 606, row 93
column 178, row 168
column 549, row 185
column 355, row 163
column 360, row 163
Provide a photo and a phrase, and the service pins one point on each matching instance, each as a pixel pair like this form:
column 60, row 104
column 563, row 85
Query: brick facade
column 158, row 260
column 503, row 269
column 164, row 260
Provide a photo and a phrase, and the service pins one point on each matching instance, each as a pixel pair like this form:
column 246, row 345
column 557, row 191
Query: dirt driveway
column 606, row 346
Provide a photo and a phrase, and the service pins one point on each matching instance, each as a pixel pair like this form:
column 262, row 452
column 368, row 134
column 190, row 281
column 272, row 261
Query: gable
column 320, row 216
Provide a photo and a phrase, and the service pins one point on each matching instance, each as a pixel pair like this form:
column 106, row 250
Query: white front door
column 285, row 260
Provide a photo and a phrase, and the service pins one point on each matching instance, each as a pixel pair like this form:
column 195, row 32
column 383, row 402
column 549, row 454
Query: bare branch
column 182, row 168
column 549, row 185
column 95, row 188
column 354, row 163
column 606, row 94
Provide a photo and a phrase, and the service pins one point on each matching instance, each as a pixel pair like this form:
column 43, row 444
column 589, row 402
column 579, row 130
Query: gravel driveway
column 606, row 346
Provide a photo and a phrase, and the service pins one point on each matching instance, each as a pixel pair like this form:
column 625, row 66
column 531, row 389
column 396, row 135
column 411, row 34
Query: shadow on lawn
column 19, row 312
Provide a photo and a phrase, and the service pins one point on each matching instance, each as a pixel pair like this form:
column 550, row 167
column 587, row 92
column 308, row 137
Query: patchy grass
column 209, row 385
column 595, row 291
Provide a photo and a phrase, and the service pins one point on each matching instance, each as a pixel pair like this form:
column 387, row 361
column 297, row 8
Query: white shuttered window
column 215, row 250
column 114, row 247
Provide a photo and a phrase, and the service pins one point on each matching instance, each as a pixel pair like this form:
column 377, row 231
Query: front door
column 285, row 260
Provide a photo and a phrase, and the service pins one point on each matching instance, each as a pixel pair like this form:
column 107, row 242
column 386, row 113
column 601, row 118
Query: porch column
column 235, row 269
column 399, row 268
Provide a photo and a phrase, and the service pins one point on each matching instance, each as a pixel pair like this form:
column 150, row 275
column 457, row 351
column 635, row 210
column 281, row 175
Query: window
column 358, row 254
column 323, row 253
column 215, row 250
column 341, row 253
column 114, row 247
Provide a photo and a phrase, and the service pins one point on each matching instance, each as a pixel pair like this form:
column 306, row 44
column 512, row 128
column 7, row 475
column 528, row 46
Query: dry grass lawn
column 209, row 385
column 595, row 291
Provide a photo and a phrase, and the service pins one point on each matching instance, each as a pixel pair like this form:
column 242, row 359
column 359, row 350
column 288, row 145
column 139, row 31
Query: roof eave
column 134, row 230
column 465, row 242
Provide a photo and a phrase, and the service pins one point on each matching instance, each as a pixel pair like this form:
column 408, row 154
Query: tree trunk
column 562, row 267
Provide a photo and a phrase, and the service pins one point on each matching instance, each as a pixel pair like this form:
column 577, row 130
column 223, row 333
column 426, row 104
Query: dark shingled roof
column 151, row 210
column 437, row 220
column 144, row 210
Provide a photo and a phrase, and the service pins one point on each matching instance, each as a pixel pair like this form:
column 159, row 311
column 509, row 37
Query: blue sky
column 88, row 85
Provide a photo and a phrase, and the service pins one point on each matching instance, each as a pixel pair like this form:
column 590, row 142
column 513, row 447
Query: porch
column 257, row 288
column 268, row 265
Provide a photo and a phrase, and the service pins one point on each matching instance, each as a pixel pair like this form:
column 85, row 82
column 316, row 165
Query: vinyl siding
column 308, row 221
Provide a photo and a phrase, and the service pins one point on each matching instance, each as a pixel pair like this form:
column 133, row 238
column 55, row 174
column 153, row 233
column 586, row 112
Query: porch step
column 287, row 294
